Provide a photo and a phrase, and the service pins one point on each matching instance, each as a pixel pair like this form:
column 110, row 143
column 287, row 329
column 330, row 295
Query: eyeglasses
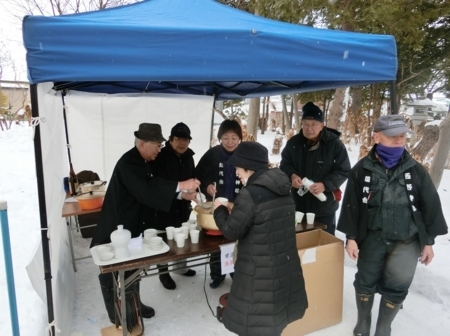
column 159, row 147
column 313, row 125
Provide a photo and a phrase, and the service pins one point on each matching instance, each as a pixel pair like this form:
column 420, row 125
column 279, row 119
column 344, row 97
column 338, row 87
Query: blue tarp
column 199, row 47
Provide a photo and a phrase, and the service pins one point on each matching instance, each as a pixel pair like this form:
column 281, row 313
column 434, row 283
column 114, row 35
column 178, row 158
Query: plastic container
column 91, row 200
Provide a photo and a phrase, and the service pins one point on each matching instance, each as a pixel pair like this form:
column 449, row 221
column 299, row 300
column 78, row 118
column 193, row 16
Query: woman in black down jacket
column 268, row 289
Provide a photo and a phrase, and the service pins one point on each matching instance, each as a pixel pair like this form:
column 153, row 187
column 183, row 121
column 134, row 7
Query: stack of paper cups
column 308, row 183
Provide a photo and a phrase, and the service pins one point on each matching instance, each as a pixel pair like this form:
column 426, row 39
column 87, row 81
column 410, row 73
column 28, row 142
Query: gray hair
column 137, row 142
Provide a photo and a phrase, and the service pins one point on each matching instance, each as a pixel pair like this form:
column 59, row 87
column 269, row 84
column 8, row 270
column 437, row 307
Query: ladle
column 214, row 196
column 200, row 196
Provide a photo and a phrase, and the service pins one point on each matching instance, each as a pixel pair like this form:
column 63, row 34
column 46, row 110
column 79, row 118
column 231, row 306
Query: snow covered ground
column 186, row 310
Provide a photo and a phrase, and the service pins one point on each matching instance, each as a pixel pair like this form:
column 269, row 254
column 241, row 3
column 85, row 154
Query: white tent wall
column 54, row 156
column 101, row 128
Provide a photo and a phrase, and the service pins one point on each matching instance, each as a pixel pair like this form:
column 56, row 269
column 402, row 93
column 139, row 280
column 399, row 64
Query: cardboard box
column 322, row 258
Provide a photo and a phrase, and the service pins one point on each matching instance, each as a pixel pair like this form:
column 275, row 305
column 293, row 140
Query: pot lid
column 93, row 183
column 91, row 195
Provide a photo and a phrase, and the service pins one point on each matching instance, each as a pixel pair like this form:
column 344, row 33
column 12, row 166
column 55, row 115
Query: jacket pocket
column 375, row 199
column 245, row 267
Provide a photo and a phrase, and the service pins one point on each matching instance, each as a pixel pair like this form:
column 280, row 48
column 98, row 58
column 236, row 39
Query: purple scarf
column 389, row 156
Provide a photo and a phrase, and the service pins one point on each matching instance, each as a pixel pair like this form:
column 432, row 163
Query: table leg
column 69, row 232
column 123, row 302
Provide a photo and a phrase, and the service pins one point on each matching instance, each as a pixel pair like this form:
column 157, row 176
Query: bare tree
column 296, row 114
column 253, row 117
column 336, row 109
column 442, row 151
column 59, row 7
column 429, row 139
column 286, row 127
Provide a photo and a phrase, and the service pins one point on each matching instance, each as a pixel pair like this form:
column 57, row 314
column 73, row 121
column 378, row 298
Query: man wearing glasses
column 133, row 197
column 318, row 154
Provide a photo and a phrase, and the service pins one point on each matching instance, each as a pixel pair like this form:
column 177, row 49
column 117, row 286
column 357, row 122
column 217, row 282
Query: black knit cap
column 250, row 155
column 181, row 130
column 312, row 112
column 149, row 132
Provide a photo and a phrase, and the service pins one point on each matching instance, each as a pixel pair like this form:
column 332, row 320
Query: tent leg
column 69, row 232
column 42, row 207
column 394, row 97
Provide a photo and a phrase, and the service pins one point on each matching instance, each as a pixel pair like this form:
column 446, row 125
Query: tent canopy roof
column 198, row 47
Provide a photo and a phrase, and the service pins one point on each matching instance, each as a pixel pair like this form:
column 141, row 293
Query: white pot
column 120, row 239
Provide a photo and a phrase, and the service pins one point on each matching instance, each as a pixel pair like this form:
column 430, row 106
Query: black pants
column 386, row 267
column 216, row 267
column 329, row 221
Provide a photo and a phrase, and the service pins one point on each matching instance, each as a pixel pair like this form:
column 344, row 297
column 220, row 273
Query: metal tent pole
column 394, row 97
column 42, row 207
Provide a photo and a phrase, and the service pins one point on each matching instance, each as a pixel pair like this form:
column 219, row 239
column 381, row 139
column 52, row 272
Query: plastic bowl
column 105, row 255
column 105, row 248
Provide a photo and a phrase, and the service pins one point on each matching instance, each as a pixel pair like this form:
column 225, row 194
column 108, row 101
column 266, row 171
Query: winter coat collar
column 272, row 179
column 327, row 135
column 374, row 163
column 168, row 148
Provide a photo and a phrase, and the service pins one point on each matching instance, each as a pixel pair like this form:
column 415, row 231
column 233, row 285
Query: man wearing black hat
column 391, row 214
column 175, row 163
column 316, row 153
column 133, row 196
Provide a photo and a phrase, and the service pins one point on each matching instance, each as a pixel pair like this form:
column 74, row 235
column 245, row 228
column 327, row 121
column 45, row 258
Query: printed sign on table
column 226, row 254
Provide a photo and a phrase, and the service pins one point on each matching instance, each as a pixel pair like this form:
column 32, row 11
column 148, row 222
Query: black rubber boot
column 364, row 303
column 146, row 311
column 388, row 311
column 166, row 279
column 216, row 270
column 106, row 284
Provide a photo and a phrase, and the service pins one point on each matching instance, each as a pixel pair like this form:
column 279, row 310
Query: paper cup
column 149, row 233
column 310, row 217
column 192, row 226
column 195, row 234
column 169, row 232
column 180, row 239
column 176, row 231
column 185, row 230
column 298, row 217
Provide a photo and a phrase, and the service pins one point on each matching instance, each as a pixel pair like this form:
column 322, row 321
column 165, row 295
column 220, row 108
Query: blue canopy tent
column 199, row 47
column 196, row 47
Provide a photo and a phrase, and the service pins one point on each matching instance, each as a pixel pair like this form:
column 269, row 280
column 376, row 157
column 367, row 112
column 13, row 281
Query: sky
column 11, row 38
column 185, row 310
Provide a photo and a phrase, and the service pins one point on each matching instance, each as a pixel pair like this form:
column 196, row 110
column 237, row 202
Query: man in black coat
column 318, row 154
column 175, row 163
column 133, row 196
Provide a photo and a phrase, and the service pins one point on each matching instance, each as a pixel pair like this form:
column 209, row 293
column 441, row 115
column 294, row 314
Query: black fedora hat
column 149, row 132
